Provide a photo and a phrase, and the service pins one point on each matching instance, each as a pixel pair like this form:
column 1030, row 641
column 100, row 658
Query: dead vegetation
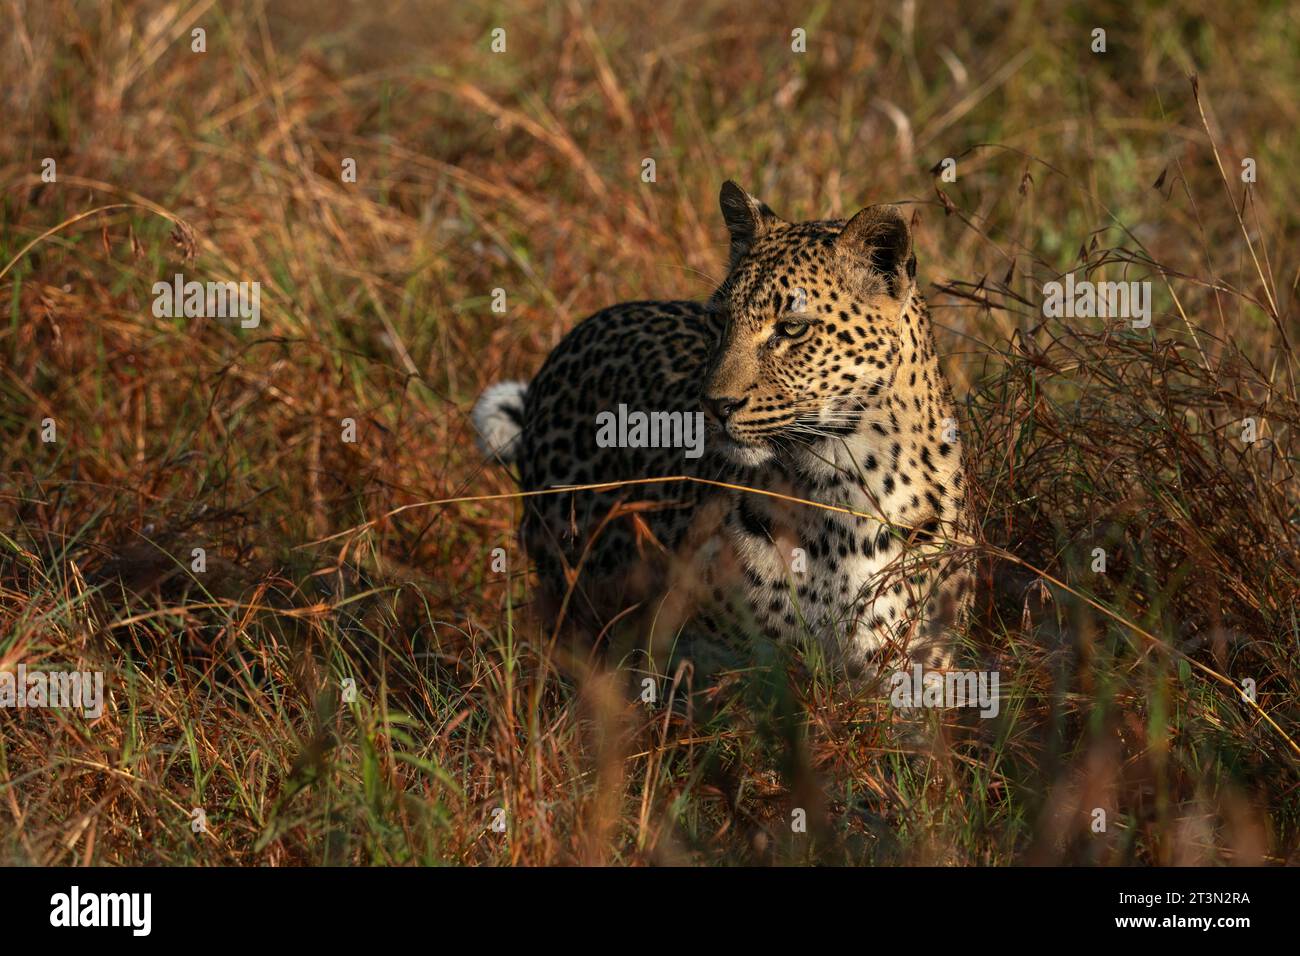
column 522, row 171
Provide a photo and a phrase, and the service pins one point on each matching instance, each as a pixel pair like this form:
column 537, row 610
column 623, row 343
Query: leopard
column 827, row 504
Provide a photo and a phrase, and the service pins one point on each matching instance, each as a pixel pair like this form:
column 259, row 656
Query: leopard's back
column 647, row 357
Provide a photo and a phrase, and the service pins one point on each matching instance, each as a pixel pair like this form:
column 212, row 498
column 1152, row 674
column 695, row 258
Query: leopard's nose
column 722, row 408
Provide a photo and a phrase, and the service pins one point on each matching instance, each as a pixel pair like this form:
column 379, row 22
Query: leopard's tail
column 498, row 419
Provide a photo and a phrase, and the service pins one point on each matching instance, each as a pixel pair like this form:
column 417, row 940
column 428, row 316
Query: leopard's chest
column 808, row 571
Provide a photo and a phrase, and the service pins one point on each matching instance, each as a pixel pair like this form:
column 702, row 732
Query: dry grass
column 521, row 171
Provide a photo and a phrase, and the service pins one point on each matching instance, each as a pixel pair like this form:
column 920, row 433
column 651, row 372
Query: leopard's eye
column 793, row 330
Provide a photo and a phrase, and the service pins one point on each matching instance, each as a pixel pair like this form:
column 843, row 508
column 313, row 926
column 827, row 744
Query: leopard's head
column 811, row 316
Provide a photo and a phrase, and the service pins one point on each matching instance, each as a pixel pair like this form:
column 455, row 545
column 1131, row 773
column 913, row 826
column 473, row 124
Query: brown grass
column 521, row 171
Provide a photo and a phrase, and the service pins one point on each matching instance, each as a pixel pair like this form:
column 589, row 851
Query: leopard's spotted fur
column 815, row 362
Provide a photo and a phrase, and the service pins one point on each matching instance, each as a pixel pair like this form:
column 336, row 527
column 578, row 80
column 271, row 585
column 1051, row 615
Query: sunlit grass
column 521, row 171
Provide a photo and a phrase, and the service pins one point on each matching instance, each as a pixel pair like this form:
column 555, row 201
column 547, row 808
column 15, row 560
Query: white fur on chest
column 820, row 572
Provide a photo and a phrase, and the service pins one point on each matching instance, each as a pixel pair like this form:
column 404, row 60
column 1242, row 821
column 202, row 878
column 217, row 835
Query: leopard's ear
column 747, row 219
column 880, row 238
